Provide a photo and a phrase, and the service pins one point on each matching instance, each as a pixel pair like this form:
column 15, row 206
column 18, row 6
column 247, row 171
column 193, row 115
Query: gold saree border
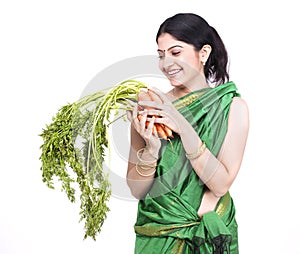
column 178, row 247
column 161, row 230
column 187, row 100
column 223, row 205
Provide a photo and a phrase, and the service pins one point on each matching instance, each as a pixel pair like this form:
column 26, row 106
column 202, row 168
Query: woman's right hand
column 151, row 139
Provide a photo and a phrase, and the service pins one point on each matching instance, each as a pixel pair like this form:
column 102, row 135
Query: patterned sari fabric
column 167, row 219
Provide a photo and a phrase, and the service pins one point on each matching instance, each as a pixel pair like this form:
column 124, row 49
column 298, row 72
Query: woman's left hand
column 166, row 112
column 208, row 203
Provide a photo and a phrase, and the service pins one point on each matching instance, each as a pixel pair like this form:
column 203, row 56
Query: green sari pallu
column 167, row 219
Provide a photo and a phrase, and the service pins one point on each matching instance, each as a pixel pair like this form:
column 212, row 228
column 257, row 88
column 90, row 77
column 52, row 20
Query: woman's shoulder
column 239, row 102
column 239, row 110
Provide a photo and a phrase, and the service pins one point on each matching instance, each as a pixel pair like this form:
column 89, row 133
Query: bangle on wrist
column 142, row 174
column 146, row 167
column 198, row 153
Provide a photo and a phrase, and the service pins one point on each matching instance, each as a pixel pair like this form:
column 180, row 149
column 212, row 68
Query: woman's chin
column 176, row 83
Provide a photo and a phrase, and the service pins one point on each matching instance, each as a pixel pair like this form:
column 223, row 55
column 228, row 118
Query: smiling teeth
column 172, row 72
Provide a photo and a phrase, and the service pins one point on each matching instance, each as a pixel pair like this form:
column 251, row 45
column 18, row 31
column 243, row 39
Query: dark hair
column 193, row 29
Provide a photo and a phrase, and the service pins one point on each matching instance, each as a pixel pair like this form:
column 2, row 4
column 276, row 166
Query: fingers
column 142, row 120
column 154, row 96
column 144, row 124
column 150, row 104
column 135, row 114
column 154, row 112
column 129, row 115
column 147, row 126
column 132, row 114
column 163, row 97
column 150, row 126
column 130, row 102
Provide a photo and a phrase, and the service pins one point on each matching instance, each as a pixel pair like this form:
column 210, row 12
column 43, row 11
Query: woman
column 182, row 184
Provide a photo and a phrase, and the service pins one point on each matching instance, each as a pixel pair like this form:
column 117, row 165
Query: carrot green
column 74, row 149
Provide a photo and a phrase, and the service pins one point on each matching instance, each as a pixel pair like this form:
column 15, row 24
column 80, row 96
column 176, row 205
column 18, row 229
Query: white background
column 50, row 50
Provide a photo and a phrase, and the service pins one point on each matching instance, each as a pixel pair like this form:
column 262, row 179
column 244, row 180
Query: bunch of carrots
column 159, row 130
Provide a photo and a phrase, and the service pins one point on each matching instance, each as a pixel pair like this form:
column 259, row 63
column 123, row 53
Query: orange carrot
column 161, row 133
column 168, row 131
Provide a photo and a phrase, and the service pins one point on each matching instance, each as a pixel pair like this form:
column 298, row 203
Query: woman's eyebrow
column 161, row 50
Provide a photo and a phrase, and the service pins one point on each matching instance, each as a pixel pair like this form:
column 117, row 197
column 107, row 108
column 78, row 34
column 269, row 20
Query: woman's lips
column 173, row 72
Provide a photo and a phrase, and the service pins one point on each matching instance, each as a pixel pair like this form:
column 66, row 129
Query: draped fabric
column 167, row 219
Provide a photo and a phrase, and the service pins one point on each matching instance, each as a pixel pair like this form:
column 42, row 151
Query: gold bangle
column 141, row 174
column 146, row 167
column 198, row 153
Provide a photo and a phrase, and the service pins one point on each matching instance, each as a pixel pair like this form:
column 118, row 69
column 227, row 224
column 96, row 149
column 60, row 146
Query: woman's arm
column 218, row 173
column 238, row 125
column 139, row 185
column 144, row 149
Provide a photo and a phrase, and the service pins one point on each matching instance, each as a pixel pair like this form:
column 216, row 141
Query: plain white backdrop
column 49, row 52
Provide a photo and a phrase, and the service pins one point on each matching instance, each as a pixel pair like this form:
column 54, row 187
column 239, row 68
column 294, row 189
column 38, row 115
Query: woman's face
column 179, row 61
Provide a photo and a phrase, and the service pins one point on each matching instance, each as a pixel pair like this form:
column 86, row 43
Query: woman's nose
column 167, row 62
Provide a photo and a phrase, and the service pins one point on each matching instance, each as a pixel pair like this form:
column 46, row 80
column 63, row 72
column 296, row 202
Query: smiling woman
column 184, row 202
column 180, row 62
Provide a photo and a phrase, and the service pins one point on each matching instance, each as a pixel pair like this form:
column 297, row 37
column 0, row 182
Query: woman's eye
column 175, row 53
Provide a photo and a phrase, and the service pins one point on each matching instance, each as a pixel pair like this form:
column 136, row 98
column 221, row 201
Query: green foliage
column 73, row 150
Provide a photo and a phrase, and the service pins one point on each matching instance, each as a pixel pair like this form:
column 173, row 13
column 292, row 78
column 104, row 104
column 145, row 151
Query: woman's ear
column 204, row 53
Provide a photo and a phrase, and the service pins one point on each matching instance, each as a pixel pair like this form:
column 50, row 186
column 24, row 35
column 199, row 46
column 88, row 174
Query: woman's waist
column 161, row 220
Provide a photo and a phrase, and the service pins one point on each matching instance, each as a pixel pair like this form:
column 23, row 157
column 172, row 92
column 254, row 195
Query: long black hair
column 193, row 29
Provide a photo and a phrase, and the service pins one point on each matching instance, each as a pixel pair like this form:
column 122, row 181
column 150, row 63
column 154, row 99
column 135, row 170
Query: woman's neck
column 179, row 91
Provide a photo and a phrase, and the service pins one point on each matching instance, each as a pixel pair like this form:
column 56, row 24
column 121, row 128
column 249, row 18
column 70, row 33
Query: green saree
column 167, row 219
